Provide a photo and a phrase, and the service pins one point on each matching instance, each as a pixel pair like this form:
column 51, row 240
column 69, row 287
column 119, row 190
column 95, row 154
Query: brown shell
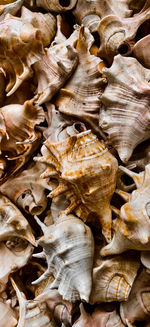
column 56, row 5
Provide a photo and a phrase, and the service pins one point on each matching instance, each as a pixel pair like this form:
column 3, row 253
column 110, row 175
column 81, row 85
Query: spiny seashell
column 56, row 5
column 87, row 171
column 55, row 68
column 118, row 35
column 18, row 136
column 32, row 313
column 21, row 46
column 113, row 279
column 125, row 115
column 137, row 308
column 27, row 189
column 7, row 314
column 99, row 318
column 68, row 247
column 132, row 228
column 9, row 6
column 80, row 96
column 46, row 23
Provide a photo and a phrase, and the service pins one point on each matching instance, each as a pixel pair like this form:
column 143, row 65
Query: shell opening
column 123, row 48
column 64, row 3
column 143, row 30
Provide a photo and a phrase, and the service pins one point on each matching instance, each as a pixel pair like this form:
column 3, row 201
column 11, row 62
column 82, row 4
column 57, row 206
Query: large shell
column 125, row 114
column 137, row 308
column 27, row 189
column 56, row 5
column 55, row 68
column 9, row 6
column 46, row 23
column 69, row 248
column 25, row 48
column 80, row 96
column 87, row 170
column 132, row 228
column 113, row 279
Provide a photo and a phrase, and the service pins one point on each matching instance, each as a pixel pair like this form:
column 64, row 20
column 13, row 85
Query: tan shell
column 87, row 170
column 7, row 315
column 46, row 23
column 80, row 96
column 132, row 228
column 69, row 248
column 24, row 52
column 128, row 92
column 137, row 308
column 9, row 6
column 27, row 189
column 56, row 5
column 113, row 279
column 141, row 51
column 55, row 68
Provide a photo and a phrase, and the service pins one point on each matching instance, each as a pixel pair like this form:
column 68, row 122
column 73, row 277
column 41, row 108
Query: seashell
column 132, row 227
column 27, row 189
column 145, row 259
column 15, row 239
column 137, row 308
column 119, row 35
column 9, row 7
column 59, row 37
column 129, row 89
column 80, row 97
column 56, row 5
column 98, row 318
column 18, row 136
column 25, row 48
column 141, row 51
column 69, row 248
column 113, row 279
column 55, row 68
column 7, row 314
column 87, row 171
column 38, row 20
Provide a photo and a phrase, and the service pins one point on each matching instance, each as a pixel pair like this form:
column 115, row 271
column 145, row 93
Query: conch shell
column 68, row 247
column 21, row 46
column 9, row 7
column 55, row 68
column 80, row 97
column 56, row 5
column 87, row 170
column 27, row 189
column 132, row 227
column 125, row 114
column 113, row 279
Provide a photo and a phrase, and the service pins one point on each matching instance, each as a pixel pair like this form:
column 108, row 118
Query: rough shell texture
column 56, row 5
column 10, row 7
column 125, row 113
column 7, row 314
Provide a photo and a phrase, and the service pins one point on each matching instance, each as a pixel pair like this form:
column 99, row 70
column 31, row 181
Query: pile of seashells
column 74, row 163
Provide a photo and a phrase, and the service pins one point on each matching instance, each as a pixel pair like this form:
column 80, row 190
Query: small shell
column 10, row 7
column 55, row 68
column 56, row 5
column 125, row 115
column 25, row 48
column 132, row 228
column 113, row 279
column 27, row 189
column 137, row 308
column 87, row 170
column 80, row 96
column 46, row 23
column 69, row 248
column 7, row 314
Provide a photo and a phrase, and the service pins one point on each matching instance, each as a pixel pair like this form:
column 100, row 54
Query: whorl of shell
column 137, row 308
column 46, row 23
column 27, row 189
column 80, row 96
column 9, row 7
column 56, row 5
column 125, row 114
column 7, row 314
column 132, row 227
column 55, row 68
column 21, row 46
column 113, row 279
column 68, row 247
column 87, row 170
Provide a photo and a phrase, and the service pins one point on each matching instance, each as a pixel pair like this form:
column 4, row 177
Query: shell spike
column 43, row 226
column 124, row 195
column 40, row 255
column 138, row 178
column 41, row 278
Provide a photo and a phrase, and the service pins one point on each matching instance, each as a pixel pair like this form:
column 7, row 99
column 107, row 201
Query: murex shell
column 87, row 170
column 125, row 114
column 68, row 247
